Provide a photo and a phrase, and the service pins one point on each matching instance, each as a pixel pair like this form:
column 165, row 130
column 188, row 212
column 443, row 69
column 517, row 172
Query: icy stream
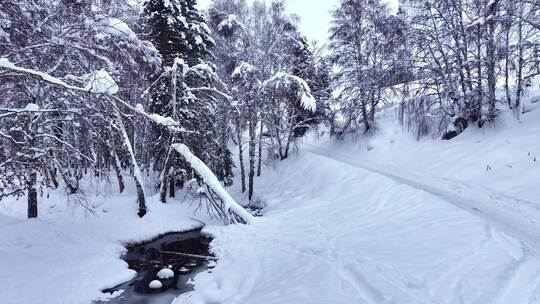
column 164, row 266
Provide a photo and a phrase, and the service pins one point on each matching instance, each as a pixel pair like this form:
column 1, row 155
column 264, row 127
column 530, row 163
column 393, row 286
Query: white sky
column 315, row 15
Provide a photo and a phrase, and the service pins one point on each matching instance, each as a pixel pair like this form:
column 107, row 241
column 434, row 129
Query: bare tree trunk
column 491, row 62
column 252, row 148
column 480, row 88
column 137, row 176
column 465, row 46
column 163, row 179
column 73, row 187
column 163, row 189
column 172, row 186
column 117, row 166
column 508, row 28
column 241, row 155
column 365, row 116
column 32, row 195
column 521, row 63
column 259, row 164
column 52, row 178
column 140, row 198
column 292, row 122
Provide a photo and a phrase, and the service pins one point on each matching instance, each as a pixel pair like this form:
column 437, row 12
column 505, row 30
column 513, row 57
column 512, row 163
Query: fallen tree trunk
column 232, row 210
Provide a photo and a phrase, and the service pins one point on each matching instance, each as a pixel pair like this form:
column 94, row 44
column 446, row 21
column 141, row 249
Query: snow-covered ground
column 379, row 220
column 363, row 238
column 398, row 222
column 68, row 255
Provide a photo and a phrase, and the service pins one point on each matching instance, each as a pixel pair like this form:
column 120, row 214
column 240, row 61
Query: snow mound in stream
column 155, row 284
column 165, row 274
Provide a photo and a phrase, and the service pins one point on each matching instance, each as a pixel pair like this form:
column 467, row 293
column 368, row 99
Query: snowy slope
column 518, row 217
column 379, row 220
column 400, row 222
column 505, row 157
column 335, row 233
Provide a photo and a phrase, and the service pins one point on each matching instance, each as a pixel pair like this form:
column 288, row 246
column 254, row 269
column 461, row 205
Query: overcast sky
column 314, row 13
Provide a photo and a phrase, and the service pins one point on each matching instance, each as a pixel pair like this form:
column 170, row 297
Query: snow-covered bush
column 287, row 98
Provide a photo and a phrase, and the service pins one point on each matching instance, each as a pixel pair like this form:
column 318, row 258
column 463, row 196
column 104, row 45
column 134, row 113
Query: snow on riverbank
column 346, row 222
column 67, row 256
column 337, row 233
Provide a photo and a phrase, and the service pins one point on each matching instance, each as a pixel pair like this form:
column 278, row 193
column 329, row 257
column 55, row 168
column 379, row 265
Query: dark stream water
column 185, row 253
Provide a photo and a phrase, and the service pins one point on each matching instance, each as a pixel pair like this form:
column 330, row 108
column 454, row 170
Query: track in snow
column 340, row 233
column 517, row 217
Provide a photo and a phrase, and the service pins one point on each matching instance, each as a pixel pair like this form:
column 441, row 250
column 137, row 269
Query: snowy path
column 518, row 217
column 336, row 233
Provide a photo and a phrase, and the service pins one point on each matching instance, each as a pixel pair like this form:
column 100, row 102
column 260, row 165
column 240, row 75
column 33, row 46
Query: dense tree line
column 446, row 58
column 277, row 86
column 157, row 92
column 148, row 92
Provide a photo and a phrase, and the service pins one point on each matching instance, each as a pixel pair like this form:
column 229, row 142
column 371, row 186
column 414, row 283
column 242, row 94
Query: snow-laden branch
column 5, row 63
column 231, row 207
column 101, row 83
column 210, row 90
column 287, row 82
column 33, row 109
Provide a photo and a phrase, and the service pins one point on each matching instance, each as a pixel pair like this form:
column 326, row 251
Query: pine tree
column 178, row 30
column 182, row 37
column 304, row 65
column 356, row 50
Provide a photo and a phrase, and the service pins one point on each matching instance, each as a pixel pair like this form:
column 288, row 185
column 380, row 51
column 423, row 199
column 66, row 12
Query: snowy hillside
column 343, row 224
column 211, row 152
column 404, row 222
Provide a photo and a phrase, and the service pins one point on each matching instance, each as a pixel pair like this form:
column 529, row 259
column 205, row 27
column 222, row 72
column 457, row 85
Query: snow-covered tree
column 287, row 99
column 63, row 136
column 178, row 30
column 254, row 43
column 182, row 37
column 460, row 51
column 356, row 41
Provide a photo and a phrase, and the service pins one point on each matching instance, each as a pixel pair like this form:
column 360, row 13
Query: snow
column 102, row 83
column 229, row 23
column 100, row 36
column 165, row 273
column 381, row 219
column 155, row 284
column 5, row 63
column 308, row 102
column 162, row 120
column 286, row 81
column 230, row 205
column 202, row 67
column 118, row 28
column 99, row 83
column 243, row 70
column 78, row 251
column 139, row 108
column 32, row 107
column 401, row 222
column 478, row 22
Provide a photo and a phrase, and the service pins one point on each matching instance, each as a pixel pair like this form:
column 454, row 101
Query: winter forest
column 170, row 151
